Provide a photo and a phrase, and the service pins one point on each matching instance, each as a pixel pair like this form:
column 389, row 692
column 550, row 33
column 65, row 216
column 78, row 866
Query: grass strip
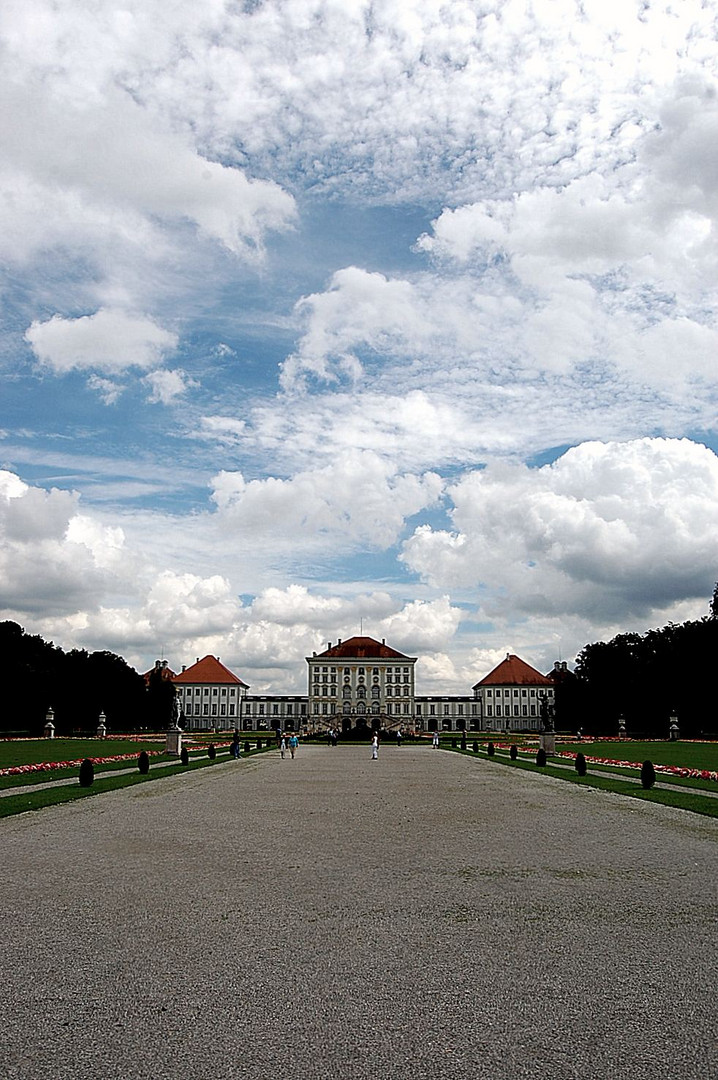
column 619, row 771
column 47, row 776
column 684, row 800
column 52, row 796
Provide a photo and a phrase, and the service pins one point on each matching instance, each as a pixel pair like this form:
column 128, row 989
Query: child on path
column 375, row 747
column 282, row 745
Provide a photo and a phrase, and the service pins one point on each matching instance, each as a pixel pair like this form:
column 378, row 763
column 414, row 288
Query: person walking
column 398, row 737
column 293, row 744
column 235, row 745
column 435, row 740
column 282, row 745
column 375, row 746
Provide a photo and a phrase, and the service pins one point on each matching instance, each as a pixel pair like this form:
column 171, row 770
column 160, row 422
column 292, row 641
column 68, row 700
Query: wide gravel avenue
column 426, row 915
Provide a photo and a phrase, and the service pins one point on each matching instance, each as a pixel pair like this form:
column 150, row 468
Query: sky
column 324, row 317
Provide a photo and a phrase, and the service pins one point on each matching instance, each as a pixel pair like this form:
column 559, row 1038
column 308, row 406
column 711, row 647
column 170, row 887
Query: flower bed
column 46, row 766
column 674, row 770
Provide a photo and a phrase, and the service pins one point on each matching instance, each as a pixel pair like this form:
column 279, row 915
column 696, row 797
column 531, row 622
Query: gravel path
column 424, row 916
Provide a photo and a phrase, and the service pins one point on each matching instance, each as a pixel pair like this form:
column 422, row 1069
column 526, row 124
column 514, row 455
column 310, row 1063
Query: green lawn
column 34, row 751
column 685, row 800
column 691, row 755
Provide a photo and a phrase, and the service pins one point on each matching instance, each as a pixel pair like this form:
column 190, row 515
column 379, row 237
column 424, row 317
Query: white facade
column 363, row 680
column 360, row 678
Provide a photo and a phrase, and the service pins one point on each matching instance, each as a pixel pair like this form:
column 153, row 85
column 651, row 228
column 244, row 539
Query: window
column 489, row 710
column 523, row 693
column 224, row 692
column 446, row 710
column 418, row 708
column 432, row 710
column 524, row 710
column 460, row 710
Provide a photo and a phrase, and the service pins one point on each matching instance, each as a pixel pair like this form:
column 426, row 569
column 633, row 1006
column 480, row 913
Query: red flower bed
column 46, row 766
column 675, row 770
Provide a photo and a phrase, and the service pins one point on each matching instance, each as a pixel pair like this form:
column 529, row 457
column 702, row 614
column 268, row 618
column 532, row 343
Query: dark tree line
column 646, row 678
column 77, row 685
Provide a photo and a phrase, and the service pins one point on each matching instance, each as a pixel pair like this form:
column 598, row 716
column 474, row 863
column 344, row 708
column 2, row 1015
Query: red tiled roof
column 165, row 672
column 513, row 671
column 363, row 648
column 208, row 670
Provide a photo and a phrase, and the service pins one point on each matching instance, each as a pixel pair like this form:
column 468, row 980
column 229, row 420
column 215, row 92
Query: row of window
column 375, row 679
column 204, row 691
column 515, row 693
column 257, row 708
column 500, row 711
column 199, row 709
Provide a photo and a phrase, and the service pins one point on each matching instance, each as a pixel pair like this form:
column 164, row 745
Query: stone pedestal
column 173, row 744
column 547, row 742
column 49, row 730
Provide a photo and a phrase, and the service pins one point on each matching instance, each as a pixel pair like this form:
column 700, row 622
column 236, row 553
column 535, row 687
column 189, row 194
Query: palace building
column 363, row 682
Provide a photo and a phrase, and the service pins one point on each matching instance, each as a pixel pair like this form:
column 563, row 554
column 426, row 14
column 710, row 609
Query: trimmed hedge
column 648, row 774
column 87, row 773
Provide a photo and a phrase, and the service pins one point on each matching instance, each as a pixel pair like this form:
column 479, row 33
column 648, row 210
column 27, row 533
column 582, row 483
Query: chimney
column 329, row 644
column 383, row 641
column 197, row 660
column 339, row 641
column 557, row 665
column 184, row 667
column 158, row 663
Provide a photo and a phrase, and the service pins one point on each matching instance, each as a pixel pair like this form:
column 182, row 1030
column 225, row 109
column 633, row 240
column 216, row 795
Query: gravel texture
column 426, row 915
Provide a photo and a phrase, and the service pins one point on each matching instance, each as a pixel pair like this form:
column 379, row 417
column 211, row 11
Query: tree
column 714, row 603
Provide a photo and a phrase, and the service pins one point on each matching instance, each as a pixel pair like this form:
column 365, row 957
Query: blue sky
column 317, row 313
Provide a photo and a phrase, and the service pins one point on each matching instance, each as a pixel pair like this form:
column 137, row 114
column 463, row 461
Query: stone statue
column 546, row 714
